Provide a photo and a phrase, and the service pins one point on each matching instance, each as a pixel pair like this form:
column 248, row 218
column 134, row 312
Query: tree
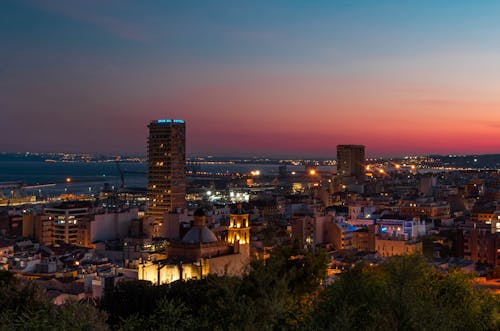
column 276, row 294
column 405, row 293
column 24, row 306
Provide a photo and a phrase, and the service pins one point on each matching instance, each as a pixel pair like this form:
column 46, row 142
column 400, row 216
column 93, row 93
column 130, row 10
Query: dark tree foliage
column 281, row 293
column 404, row 294
column 23, row 306
column 275, row 295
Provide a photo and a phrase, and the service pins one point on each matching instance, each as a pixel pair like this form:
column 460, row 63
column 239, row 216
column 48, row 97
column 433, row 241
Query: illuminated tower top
column 239, row 228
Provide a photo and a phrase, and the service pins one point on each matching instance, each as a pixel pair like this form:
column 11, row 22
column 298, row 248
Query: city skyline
column 281, row 78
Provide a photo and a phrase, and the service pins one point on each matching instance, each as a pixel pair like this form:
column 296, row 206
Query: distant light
column 312, row 172
column 397, row 166
column 209, row 193
column 413, row 167
column 68, row 180
column 293, row 172
column 367, row 168
column 381, row 171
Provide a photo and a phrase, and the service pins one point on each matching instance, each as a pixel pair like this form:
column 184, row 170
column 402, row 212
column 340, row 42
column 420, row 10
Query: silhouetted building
column 166, row 167
column 351, row 161
column 282, row 172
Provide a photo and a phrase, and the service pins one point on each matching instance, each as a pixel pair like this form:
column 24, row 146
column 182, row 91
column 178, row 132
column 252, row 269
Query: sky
column 251, row 78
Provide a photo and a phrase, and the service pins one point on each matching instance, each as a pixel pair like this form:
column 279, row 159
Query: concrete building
column 340, row 235
column 426, row 185
column 309, row 230
column 351, row 161
column 428, row 210
column 39, row 227
column 68, row 224
column 390, row 246
column 403, row 229
column 363, row 240
column 166, row 168
column 112, row 225
column 481, row 245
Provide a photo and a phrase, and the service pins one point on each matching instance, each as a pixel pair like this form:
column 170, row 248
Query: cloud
column 90, row 12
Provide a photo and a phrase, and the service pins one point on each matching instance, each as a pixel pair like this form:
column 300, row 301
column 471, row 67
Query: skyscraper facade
column 166, row 167
column 351, row 161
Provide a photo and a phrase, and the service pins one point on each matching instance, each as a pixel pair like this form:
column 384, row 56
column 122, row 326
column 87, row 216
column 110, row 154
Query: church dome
column 199, row 234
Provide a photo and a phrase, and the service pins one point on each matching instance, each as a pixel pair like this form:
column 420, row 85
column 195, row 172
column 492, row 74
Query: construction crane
column 123, row 172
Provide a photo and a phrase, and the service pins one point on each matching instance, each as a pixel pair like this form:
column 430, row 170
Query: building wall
column 363, row 241
column 197, row 250
column 339, row 236
column 408, row 230
column 481, row 245
column 392, row 247
column 68, row 225
column 111, row 226
column 430, row 211
column 230, row 265
column 172, row 272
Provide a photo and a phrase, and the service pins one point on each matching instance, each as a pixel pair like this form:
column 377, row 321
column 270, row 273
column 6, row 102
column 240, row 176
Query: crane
column 123, row 172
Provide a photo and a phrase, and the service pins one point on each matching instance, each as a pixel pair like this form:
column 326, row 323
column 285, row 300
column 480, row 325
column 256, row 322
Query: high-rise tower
column 166, row 167
column 351, row 161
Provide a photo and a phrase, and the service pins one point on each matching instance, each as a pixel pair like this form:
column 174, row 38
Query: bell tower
column 238, row 232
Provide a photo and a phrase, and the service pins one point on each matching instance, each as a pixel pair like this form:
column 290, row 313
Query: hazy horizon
column 261, row 156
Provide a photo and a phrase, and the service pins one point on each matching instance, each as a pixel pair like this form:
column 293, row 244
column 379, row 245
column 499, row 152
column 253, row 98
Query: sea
column 43, row 178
